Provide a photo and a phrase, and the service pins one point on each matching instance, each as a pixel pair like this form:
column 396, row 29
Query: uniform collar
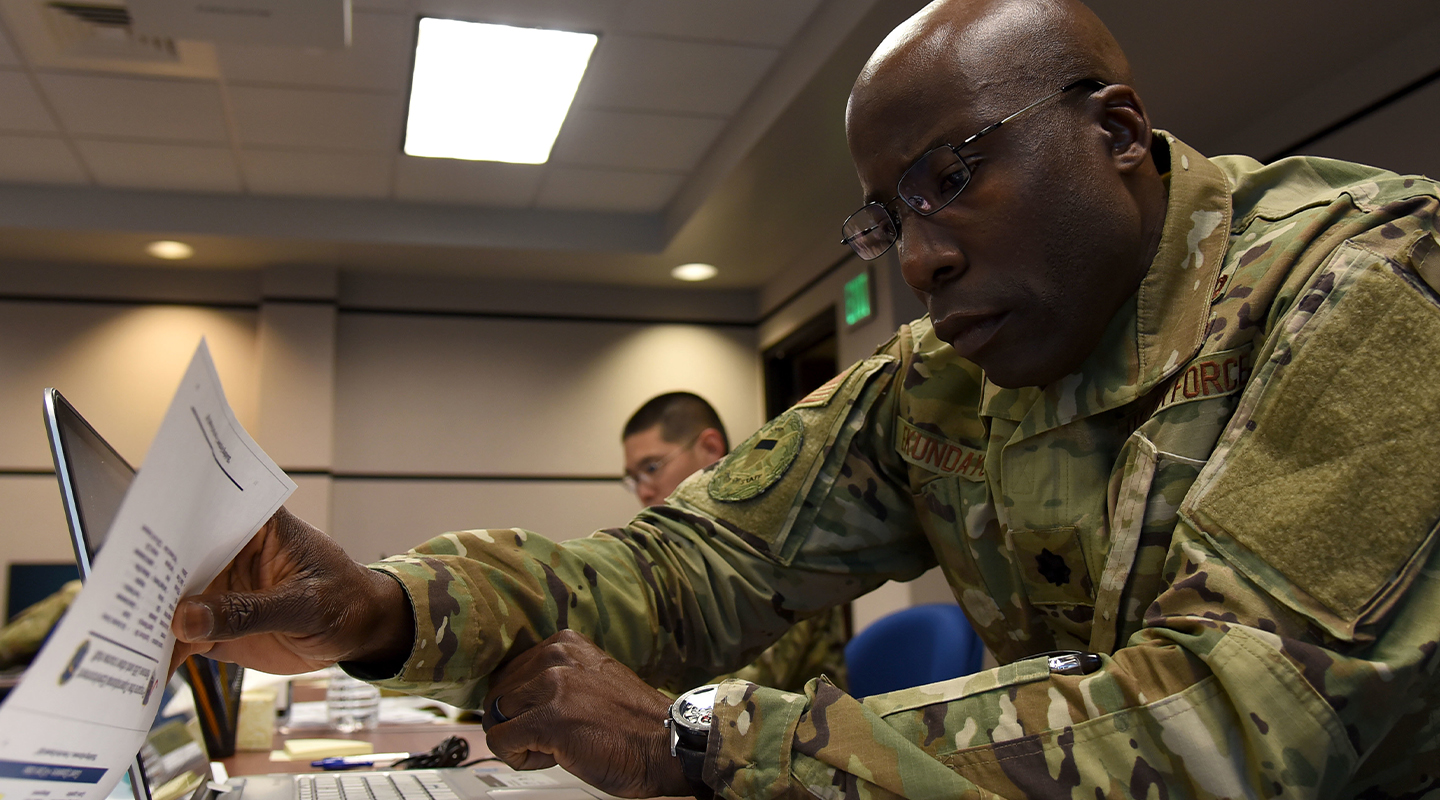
column 1161, row 327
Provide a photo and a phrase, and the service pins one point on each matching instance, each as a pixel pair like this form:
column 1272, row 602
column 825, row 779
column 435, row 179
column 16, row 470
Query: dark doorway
column 796, row 366
column 801, row 362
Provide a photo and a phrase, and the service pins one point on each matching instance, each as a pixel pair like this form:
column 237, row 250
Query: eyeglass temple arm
column 1095, row 82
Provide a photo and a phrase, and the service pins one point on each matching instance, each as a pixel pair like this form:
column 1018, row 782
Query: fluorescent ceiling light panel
column 486, row 92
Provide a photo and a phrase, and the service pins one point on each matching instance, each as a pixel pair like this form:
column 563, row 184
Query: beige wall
column 474, row 400
column 396, row 426
column 119, row 364
column 519, row 397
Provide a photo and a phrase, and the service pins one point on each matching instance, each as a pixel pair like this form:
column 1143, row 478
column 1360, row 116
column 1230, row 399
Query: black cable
column 448, row 753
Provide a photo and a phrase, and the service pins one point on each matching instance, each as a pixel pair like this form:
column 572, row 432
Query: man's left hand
column 566, row 702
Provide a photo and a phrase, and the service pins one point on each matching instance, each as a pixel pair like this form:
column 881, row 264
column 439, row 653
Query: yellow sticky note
column 326, row 748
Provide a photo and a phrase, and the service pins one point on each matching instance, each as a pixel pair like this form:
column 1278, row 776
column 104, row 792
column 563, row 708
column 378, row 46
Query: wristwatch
column 689, row 724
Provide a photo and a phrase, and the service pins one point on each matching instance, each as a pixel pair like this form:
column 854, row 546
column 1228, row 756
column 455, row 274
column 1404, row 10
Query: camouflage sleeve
column 812, row 648
column 1292, row 653
column 21, row 637
column 694, row 588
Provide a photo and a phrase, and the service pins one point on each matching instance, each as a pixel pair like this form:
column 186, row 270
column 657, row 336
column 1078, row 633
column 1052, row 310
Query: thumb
column 220, row 617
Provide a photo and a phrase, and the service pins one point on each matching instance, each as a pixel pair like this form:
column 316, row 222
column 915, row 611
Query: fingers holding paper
column 293, row 601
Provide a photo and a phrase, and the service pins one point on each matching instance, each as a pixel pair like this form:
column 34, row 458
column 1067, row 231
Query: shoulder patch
column 761, row 461
column 822, row 395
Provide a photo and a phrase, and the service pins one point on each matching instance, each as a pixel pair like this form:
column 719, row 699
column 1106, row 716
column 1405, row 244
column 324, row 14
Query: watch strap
column 692, row 764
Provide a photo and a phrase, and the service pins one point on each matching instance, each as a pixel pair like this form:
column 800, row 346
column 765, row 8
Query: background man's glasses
column 927, row 186
column 648, row 470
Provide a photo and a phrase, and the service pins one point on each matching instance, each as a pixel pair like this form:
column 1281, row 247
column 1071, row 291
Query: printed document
column 72, row 727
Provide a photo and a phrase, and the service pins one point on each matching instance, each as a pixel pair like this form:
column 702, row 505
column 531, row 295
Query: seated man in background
column 673, row 436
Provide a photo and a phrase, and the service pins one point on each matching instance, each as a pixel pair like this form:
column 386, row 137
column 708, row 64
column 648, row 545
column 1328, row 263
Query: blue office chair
column 912, row 647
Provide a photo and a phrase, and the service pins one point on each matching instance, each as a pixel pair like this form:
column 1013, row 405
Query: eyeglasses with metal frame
column 648, row 470
column 928, row 185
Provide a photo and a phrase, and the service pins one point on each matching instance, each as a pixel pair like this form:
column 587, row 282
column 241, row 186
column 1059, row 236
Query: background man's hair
column 680, row 416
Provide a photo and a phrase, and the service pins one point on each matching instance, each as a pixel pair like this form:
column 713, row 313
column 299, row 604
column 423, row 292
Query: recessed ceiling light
column 694, row 272
column 486, row 92
column 171, row 251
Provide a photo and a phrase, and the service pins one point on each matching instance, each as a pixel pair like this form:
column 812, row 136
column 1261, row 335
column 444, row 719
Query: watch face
column 695, row 708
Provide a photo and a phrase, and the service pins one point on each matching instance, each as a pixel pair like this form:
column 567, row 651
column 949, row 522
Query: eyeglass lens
column 869, row 231
column 927, row 186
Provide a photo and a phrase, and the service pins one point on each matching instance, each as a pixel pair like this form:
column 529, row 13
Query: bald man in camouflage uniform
column 1174, row 411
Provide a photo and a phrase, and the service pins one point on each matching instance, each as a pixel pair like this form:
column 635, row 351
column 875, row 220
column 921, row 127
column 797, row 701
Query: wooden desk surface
column 412, row 738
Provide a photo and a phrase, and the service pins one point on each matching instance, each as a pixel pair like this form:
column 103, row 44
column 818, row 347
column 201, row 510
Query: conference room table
column 407, row 737
column 411, row 737
column 388, row 737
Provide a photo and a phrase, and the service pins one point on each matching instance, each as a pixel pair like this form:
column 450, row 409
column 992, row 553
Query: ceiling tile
column 447, row 180
column 23, row 110
column 569, row 188
column 173, row 110
column 1398, row 137
column 8, row 56
column 317, row 174
column 177, row 167
column 34, row 159
column 378, row 58
column 382, row 5
column 763, row 22
column 637, row 141
column 643, row 74
column 572, row 15
column 331, row 120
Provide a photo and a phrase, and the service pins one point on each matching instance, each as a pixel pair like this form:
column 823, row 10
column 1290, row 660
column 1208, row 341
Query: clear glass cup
column 351, row 704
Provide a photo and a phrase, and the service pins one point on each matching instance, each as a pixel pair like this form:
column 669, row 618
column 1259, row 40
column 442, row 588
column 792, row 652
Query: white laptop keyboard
column 417, row 785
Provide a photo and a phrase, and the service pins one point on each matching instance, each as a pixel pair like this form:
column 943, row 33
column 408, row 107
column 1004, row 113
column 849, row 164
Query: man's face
column 659, row 466
column 1021, row 272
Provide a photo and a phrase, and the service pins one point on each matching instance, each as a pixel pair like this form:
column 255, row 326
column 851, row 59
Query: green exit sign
column 859, row 299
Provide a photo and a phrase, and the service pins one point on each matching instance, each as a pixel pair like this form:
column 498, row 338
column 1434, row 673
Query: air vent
column 100, row 37
column 118, row 16
column 103, row 31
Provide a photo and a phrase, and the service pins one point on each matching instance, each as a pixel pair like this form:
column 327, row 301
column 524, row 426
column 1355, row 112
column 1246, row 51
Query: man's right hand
column 293, row 601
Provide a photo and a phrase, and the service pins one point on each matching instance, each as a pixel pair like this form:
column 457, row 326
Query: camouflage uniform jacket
column 814, row 647
column 1233, row 501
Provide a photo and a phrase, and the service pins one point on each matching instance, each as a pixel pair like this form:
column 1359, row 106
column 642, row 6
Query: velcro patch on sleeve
column 1332, row 482
column 933, row 452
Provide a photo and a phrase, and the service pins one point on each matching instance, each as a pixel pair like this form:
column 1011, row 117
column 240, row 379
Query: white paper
column 73, row 725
